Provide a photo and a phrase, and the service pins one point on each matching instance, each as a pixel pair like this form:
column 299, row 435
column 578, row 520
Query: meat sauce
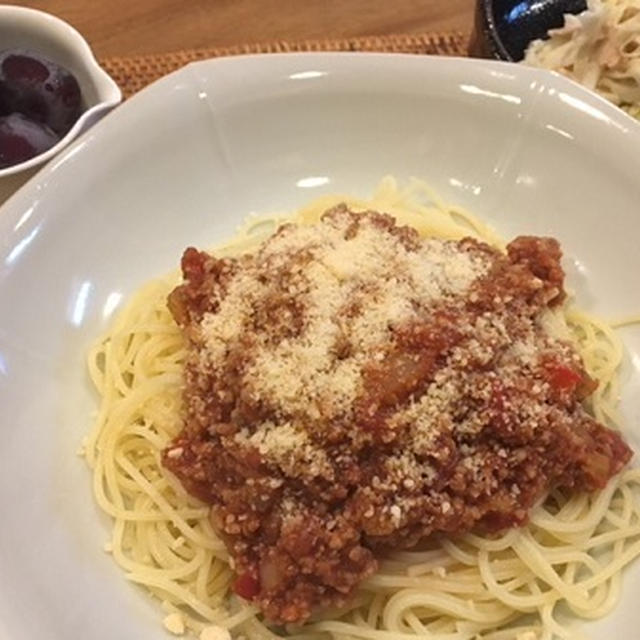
column 452, row 409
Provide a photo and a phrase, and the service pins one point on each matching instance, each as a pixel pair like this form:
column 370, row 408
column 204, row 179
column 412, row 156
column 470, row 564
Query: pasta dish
column 600, row 48
column 368, row 419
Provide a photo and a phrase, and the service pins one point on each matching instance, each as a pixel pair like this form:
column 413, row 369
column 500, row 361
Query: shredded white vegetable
column 600, row 48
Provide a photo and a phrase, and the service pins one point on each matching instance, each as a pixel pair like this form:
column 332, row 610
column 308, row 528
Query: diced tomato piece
column 563, row 378
column 246, row 586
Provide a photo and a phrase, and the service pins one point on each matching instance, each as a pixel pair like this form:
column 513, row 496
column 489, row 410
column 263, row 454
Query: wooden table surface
column 132, row 27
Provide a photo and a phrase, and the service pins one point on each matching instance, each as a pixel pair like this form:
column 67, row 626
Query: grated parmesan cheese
column 174, row 623
column 351, row 291
column 214, row 632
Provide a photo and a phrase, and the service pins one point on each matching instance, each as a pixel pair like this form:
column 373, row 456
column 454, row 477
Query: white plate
column 182, row 163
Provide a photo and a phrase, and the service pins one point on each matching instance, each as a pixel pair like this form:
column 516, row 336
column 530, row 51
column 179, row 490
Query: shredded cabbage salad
column 599, row 48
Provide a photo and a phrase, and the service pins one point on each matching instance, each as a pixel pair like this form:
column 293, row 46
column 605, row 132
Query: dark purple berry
column 22, row 68
column 39, row 89
column 22, row 139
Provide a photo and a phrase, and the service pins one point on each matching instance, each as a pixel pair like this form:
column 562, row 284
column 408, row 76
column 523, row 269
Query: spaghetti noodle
column 566, row 561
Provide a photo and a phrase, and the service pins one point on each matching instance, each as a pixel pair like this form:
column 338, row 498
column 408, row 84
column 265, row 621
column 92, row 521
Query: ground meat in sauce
column 351, row 388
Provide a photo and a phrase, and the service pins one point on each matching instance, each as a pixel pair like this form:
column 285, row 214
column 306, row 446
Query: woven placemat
column 134, row 73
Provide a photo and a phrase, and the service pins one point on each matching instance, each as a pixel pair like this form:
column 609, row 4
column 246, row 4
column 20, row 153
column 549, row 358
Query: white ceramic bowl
column 182, row 163
column 58, row 41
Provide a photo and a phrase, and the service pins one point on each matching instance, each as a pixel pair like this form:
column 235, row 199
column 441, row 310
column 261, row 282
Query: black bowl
column 504, row 28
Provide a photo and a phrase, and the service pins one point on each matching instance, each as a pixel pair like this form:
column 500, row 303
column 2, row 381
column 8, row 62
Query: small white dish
column 34, row 30
column 182, row 163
